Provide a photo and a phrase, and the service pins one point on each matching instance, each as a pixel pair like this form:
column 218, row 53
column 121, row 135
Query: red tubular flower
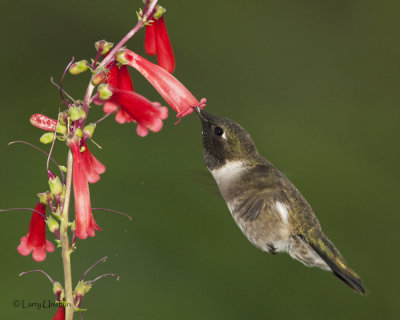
column 175, row 94
column 35, row 241
column 157, row 42
column 43, row 122
column 60, row 314
column 93, row 167
column 133, row 106
column 85, row 224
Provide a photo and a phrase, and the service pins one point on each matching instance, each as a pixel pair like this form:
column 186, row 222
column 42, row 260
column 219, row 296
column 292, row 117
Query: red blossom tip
column 174, row 92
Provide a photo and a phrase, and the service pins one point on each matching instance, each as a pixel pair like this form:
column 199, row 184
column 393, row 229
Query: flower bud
column 79, row 291
column 78, row 67
column 75, row 113
column 52, row 224
column 61, row 129
column 64, row 190
column 98, row 77
column 89, row 130
column 73, row 226
column 55, row 184
column 57, row 288
column 45, row 197
column 103, row 46
column 83, row 113
column 87, row 286
column 104, row 91
column 43, row 122
column 160, row 11
column 62, row 117
column 78, row 132
column 47, row 137
column 121, row 57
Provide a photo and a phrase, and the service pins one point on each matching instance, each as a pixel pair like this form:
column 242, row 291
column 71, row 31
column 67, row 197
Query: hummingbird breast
column 256, row 208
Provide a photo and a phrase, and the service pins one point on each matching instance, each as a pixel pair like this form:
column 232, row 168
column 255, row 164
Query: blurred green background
column 316, row 83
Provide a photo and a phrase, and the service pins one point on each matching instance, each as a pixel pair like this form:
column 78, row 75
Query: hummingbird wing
column 307, row 236
column 332, row 257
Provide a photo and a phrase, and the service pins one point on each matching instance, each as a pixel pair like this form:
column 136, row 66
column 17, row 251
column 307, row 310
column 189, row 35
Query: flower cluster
column 111, row 87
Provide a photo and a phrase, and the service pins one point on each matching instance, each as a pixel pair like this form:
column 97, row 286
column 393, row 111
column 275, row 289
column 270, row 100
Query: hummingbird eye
column 219, row 131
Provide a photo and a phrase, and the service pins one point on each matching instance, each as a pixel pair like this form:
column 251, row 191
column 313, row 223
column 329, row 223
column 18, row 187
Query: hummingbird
column 266, row 206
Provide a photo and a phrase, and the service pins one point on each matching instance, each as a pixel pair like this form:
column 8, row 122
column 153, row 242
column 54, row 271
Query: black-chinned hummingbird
column 266, row 206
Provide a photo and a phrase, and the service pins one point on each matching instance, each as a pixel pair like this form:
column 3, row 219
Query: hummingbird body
column 266, row 206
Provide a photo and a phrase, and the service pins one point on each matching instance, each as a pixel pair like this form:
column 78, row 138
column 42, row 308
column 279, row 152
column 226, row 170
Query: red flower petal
column 175, row 94
column 93, row 167
column 150, row 39
column 148, row 114
column 165, row 54
column 60, row 314
column 119, row 77
column 35, row 241
column 85, row 223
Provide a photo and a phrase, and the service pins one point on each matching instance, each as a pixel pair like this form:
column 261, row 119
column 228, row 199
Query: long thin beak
column 198, row 111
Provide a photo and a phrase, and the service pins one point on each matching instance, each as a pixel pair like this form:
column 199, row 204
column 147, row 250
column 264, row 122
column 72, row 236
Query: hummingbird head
column 224, row 141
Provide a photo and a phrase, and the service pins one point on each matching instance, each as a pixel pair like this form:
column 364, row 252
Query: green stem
column 66, row 250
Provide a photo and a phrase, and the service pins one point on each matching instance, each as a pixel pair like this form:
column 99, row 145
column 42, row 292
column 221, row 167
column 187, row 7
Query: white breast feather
column 228, row 172
column 282, row 209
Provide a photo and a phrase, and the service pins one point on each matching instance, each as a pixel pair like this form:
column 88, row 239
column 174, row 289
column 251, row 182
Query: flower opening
column 35, row 241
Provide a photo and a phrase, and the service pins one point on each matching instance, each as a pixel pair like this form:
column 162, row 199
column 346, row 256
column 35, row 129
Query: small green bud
column 104, row 46
column 80, row 289
column 62, row 116
column 47, row 137
column 98, row 77
column 160, row 11
column 78, row 67
column 45, row 197
column 83, row 113
column 78, row 132
column 63, row 168
column 82, row 149
column 75, row 113
column 87, row 286
column 52, row 224
column 56, row 186
column 57, row 288
column 64, row 191
column 89, row 130
column 61, row 129
column 121, row 57
column 104, row 91
column 73, row 226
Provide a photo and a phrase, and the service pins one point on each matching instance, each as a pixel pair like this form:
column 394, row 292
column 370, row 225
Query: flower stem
column 111, row 55
column 66, row 250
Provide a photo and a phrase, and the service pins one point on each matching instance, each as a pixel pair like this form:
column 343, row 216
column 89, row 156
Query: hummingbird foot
column 271, row 248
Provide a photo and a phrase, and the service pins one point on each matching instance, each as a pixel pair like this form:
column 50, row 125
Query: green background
column 316, row 83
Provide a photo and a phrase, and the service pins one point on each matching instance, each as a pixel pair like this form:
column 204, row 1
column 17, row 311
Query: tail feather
column 332, row 257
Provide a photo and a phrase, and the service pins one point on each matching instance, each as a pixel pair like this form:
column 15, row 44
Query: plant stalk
column 66, row 250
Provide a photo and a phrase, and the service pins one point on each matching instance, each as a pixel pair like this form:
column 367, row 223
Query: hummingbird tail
column 332, row 257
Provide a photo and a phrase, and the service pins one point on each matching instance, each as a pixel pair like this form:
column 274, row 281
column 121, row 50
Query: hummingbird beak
column 199, row 112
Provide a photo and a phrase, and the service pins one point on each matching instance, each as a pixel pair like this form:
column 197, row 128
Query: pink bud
column 43, row 122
